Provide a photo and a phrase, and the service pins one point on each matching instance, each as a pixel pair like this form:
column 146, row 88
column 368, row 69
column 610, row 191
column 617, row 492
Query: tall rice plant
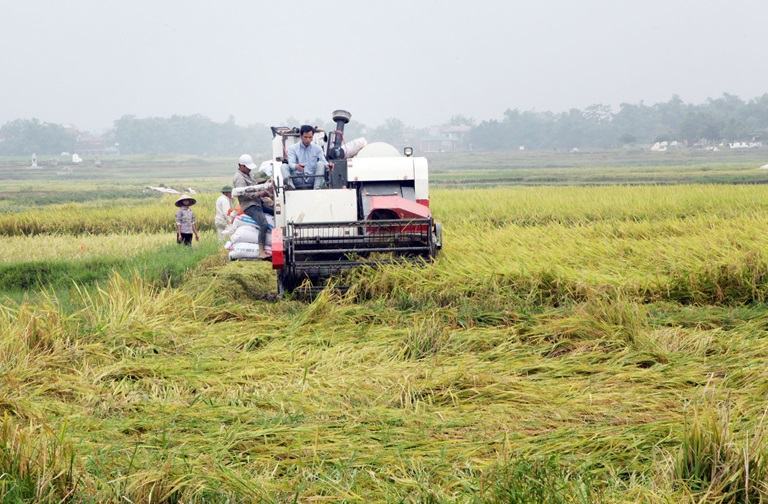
column 716, row 463
column 34, row 466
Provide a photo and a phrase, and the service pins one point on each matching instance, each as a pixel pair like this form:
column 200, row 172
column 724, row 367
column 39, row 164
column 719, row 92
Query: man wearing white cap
column 249, row 193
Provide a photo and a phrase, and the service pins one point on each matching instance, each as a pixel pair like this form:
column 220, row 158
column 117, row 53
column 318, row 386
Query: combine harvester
column 373, row 208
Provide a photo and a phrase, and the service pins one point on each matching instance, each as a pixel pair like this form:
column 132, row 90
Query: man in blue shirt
column 306, row 162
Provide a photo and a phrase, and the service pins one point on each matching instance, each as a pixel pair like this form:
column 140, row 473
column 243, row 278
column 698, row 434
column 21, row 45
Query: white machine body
column 341, row 205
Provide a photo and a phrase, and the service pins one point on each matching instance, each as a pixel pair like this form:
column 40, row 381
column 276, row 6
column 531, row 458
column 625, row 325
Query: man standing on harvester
column 306, row 162
column 249, row 193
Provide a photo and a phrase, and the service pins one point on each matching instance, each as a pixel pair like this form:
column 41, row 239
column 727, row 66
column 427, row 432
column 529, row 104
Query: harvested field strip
column 61, row 262
column 590, row 175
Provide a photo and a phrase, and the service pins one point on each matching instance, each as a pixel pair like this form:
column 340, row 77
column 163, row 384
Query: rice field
column 571, row 344
column 104, row 217
column 43, row 247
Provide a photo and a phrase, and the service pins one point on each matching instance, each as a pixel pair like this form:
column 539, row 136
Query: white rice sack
column 247, row 251
column 237, row 256
column 244, row 220
column 266, row 168
column 244, row 251
column 353, row 147
column 245, row 234
column 229, row 230
column 249, row 234
column 237, row 223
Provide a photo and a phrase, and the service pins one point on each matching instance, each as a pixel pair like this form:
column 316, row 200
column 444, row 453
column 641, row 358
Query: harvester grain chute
column 372, row 208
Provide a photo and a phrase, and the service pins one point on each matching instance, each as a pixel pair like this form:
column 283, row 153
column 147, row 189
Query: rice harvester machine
column 372, row 208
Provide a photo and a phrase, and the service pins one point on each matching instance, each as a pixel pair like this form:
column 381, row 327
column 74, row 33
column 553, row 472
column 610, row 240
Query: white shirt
column 223, row 205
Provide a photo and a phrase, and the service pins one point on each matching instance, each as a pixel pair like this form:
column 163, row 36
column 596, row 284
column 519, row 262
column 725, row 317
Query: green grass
column 526, row 481
column 165, row 266
column 486, row 169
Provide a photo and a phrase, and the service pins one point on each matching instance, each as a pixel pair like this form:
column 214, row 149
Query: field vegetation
column 571, row 344
column 634, row 167
column 42, row 247
column 155, row 257
column 104, row 217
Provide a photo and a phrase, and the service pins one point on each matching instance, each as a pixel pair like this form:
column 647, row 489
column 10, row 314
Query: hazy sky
column 87, row 62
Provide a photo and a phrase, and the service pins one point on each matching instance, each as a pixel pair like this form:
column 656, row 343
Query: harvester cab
column 373, row 207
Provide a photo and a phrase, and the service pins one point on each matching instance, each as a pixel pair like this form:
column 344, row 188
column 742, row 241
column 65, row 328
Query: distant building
column 449, row 138
column 92, row 145
column 745, row 145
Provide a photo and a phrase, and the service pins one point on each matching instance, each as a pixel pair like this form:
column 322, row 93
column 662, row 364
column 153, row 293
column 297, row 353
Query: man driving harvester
column 306, row 162
column 249, row 193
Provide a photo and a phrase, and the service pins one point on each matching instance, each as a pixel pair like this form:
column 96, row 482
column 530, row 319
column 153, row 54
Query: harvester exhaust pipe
column 335, row 150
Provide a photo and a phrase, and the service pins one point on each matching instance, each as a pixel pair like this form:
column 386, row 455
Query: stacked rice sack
column 243, row 236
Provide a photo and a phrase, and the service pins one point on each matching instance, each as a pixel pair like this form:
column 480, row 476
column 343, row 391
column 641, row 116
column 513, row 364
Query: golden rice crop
column 476, row 208
column 570, row 345
column 104, row 217
column 701, row 259
column 80, row 247
column 689, row 244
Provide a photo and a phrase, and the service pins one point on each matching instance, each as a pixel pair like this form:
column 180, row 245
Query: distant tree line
column 728, row 118
column 195, row 134
column 26, row 136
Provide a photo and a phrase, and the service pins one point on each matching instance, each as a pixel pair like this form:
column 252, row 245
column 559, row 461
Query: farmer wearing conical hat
column 223, row 209
column 185, row 221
